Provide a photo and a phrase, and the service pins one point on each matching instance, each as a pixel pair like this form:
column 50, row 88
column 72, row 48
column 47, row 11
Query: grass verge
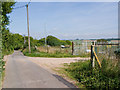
column 44, row 54
column 61, row 72
column 106, row 77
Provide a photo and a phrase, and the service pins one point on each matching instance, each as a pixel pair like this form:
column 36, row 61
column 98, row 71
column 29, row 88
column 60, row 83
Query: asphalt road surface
column 22, row 73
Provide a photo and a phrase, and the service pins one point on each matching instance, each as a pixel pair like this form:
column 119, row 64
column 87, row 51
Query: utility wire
column 20, row 7
column 29, row 2
column 23, row 5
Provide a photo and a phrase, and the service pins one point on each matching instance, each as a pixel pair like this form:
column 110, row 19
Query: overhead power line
column 29, row 2
column 23, row 5
column 20, row 7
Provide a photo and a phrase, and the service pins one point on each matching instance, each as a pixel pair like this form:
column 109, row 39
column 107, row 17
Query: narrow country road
column 22, row 73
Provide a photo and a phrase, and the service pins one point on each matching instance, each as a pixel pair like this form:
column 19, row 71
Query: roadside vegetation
column 44, row 54
column 107, row 77
column 6, row 39
column 57, row 54
column 52, row 49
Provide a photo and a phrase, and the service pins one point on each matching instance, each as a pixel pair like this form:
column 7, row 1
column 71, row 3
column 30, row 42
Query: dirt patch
column 53, row 63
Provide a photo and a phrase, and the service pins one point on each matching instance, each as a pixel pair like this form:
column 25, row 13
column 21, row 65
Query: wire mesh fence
column 109, row 52
column 55, row 49
column 82, row 48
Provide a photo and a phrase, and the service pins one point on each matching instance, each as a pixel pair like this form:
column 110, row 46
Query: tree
column 7, row 8
column 68, row 42
column 42, row 41
column 101, row 41
column 7, row 39
column 53, row 41
column 18, row 41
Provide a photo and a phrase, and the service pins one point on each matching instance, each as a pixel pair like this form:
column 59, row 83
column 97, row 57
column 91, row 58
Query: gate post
column 72, row 48
column 91, row 55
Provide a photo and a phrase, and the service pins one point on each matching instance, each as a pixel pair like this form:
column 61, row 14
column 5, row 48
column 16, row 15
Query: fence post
column 60, row 49
column 91, row 55
column 93, row 63
column 47, row 49
column 72, row 48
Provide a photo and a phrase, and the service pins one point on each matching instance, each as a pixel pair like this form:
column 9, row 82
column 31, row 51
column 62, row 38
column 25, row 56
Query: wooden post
column 46, row 40
column 28, row 30
column 47, row 49
column 60, row 49
column 72, row 48
column 91, row 55
column 93, row 63
column 24, row 39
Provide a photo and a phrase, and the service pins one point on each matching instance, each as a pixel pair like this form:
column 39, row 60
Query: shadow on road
column 70, row 85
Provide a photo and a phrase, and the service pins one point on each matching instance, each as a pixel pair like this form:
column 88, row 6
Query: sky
column 67, row 20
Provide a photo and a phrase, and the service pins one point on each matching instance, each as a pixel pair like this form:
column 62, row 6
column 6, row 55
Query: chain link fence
column 82, row 48
column 109, row 52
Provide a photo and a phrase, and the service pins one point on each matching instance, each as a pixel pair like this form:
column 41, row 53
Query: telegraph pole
column 72, row 48
column 45, row 36
column 24, row 39
column 28, row 30
column 46, row 40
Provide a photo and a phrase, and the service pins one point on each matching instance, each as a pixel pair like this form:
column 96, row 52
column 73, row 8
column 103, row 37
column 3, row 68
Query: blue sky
column 67, row 20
